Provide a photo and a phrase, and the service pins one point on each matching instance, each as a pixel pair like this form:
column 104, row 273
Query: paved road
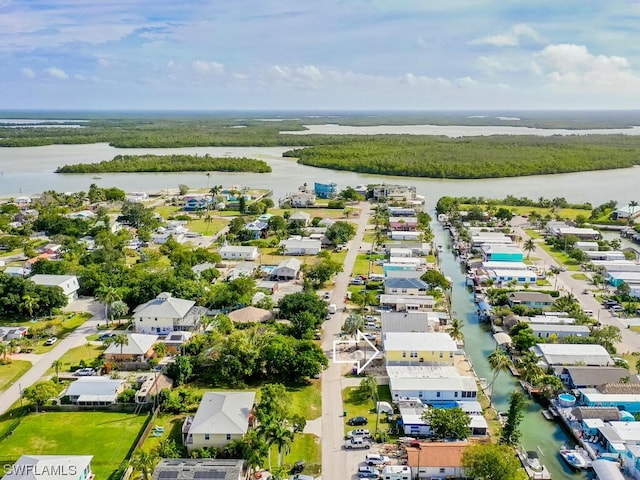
column 43, row 362
column 338, row 463
column 630, row 340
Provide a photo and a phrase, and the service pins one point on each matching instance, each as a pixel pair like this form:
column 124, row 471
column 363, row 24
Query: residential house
column 200, row 468
column 391, row 273
column 436, row 460
column 577, row 376
column 288, row 269
column 201, row 267
column 258, row 229
column 13, row 333
column 52, row 248
column 630, row 462
column 531, row 299
column 175, row 341
column 68, row 283
column 407, row 303
column 433, row 385
column 165, row 314
column 498, row 265
column 630, row 278
column 242, row 269
column 50, row 467
column 587, row 246
column 393, row 321
column 581, row 233
column 17, row 271
column 397, row 193
column 402, row 212
column 302, row 199
column 501, row 253
column 560, row 355
column 559, row 330
column 605, row 255
column 623, row 396
column 400, row 252
column 615, row 435
column 549, row 318
column 196, row 203
column 302, row 219
column 301, row 246
column 407, row 224
column 139, row 349
column 607, row 470
column 415, row 348
column 480, row 239
column 250, row 315
column 95, row 391
column 325, row 190
column 416, row 263
column 411, row 236
column 506, row 276
column 162, row 234
column 238, row 252
column 149, row 386
column 221, row 418
column 405, row 286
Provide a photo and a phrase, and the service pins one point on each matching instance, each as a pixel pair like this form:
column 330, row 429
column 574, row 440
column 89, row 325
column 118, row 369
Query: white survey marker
column 359, row 337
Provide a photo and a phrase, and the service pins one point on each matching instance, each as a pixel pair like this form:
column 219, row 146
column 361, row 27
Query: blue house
column 502, row 253
column 325, row 190
column 630, row 402
column 193, row 204
column 257, row 228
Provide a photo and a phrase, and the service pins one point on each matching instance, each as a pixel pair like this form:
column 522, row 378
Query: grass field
column 570, row 213
column 534, row 234
column 200, row 225
column 72, row 357
column 359, row 407
column 11, row 372
column 361, row 266
column 561, row 257
column 579, row 276
column 105, row 435
column 305, row 447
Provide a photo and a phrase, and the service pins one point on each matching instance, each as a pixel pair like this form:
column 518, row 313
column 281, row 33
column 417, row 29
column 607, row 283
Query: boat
column 531, row 463
column 96, row 177
column 575, row 458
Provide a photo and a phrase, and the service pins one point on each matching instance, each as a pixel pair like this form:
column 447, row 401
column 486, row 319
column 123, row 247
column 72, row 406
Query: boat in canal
column 531, row 463
column 575, row 458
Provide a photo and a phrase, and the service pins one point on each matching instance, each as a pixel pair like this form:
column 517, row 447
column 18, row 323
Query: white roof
column 164, row 306
column 493, row 249
column 577, row 231
column 512, row 273
column 223, row 412
column 68, row 283
column 571, row 354
column 48, row 467
column 139, row 344
column 238, row 249
column 559, row 327
column 292, row 263
column 407, row 299
column 497, row 265
column 422, row 371
column 301, row 243
column 592, row 395
column 101, row 386
column 416, row 341
column 467, row 384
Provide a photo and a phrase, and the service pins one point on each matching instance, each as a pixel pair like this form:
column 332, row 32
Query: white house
column 68, row 283
column 202, row 468
column 402, row 235
column 559, row 330
column 238, row 252
column 95, row 391
column 50, row 467
column 407, row 303
column 302, row 199
column 431, row 384
column 13, row 271
column 221, row 418
column 586, row 246
column 557, row 354
column 405, row 286
column 301, row 246
column 288, row 269
column 165, row 314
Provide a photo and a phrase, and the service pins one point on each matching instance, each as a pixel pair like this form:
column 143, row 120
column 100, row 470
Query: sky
column 319, row 54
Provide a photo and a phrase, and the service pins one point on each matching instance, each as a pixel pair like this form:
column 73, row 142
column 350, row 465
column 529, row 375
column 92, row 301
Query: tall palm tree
column 632, row 207
column 107, row 295
column 144, row 462
column 455, row 330
column 30, row 303
column 57, row 365
column 282, row 438
column 529, row 246
column 4, row 350
column 121, row 340
column 498, row 361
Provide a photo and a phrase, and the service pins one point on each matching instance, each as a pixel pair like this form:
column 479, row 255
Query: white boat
column 575, row 458
column 96, row 177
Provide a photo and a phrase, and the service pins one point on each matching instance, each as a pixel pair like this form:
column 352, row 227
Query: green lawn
column 579, row 276
column 200, row 225
column 72, row 357
column 172, row 425
column 361, row 266
column 11, row 372
column 358, row 407
column 105, row 435
column 533, row 234
column 561, row 257
column 305, row 447
column 307, row 401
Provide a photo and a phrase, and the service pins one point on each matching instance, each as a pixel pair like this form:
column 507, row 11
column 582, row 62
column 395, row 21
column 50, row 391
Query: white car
column 50, row 341
column 358, row 432
column 376, row 459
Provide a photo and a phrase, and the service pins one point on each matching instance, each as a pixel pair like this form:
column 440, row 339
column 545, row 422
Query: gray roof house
column 530, row 299
column 94, row 391
column 591, row 377
column 288, row 269
column 165, row 314
column 50, row 467
column 558, row 354
column 221, row 418
column 199, row 469
column 68, row 283
column 405, row 286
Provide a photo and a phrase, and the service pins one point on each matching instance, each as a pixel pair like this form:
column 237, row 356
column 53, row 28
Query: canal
column 538, row 434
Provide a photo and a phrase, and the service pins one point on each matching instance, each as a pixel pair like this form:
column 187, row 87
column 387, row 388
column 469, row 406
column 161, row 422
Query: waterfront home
column 393, row 321
column 541, row 330
column 507, row 276
column 559, row 355
column 399, row 193
column 630, row 462
column 436, row 460
column 490, row 238
column 165, row 314
column 624, row 396
column 417, row 263
column 419, row 348
column 200, row 468
column 501, row 265
column 581, row 233
column 531, row 299
column 606, row 470
column 578, row 376
column 325, row 190
column 417, row 248
column 139, row 349
column 411, row 236
column 401, row 212
column 615, row 435
column 94, row 391
column 405, row 286
column 559, row 318
column 50, row 467
column 68, row 283
column 288, row 269
column 587, row 246
column 221, row 418
column 302, row 199
column 501, row 253
column 301, row 246
column 238, row 252
column 400, row 252
column 433, row 385
column 407, row 224
column 391, row 273
column 407, row 303
column 607, row 255
column 617, row 265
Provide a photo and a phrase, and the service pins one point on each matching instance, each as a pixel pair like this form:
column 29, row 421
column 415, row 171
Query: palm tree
column 530, row 371
column 529, row 246
column 121, row 340
column 30, row 303
column 4, row 349
column 455, row 330
column 57, row 365
column 632, row 207
column 118, row 309
column 107, row 295
column 144, row 462
column 282, row 438
column 498, row 361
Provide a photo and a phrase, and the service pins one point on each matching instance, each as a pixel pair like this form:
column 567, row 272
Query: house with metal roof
column 405, row 286
column 407, row 303
column 393, row 321
column 95, row 391
column 165, row 314
column 531, row 299
column 50, row 467
column 200, row 469
column 68, row 283
column 431, row 384
column 579, row 376
column 301, row 246
column 501, row 253
column 221, row 418
column 238, row 252
column 559, row 355
column 139, row 349
column 559, row 330
column 288, row 269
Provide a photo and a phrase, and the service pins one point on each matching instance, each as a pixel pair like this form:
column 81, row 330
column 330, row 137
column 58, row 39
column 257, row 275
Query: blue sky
column 319, row 54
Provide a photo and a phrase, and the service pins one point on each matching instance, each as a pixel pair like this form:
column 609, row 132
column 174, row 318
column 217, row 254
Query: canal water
column 538, row 434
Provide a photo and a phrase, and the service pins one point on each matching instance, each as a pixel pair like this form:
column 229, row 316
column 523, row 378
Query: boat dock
column 535, row 470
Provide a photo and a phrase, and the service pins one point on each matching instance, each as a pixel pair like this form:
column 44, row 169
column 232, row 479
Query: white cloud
column 55, row 72
column 465, row 82
column 28, row 73
column 510, row 38
column 202, row 66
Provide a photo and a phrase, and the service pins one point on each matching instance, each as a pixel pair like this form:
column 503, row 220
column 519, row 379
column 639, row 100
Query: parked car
column 357, row 442
column 50, row 341
column 84, row 372
column 616, row 308
column 608, row 303
column 358, row 421
column 298, row 466
column 358, row 432
column 104, row 336
column 327, row 295
column 376, row 459
column 357, row 281
column 367, row 471
column 370, row 336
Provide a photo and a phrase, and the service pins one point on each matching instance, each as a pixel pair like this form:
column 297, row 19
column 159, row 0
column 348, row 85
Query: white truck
column 357, row 442
column 396, row 472
column 332, row 308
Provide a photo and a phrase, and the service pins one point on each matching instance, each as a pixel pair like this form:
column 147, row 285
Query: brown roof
column 436, row 454
column 250, row 315
column 606, row 414
column 620, row 388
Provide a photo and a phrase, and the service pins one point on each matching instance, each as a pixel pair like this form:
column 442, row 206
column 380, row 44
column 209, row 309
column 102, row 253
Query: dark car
column 358, row 421
column 298, row 466
column 608, row 303
column 104, row 336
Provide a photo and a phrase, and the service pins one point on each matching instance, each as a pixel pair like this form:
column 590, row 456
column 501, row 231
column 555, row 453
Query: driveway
column 42, row 363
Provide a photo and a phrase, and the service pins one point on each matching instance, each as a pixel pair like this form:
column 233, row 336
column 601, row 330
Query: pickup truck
column 356, row 442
